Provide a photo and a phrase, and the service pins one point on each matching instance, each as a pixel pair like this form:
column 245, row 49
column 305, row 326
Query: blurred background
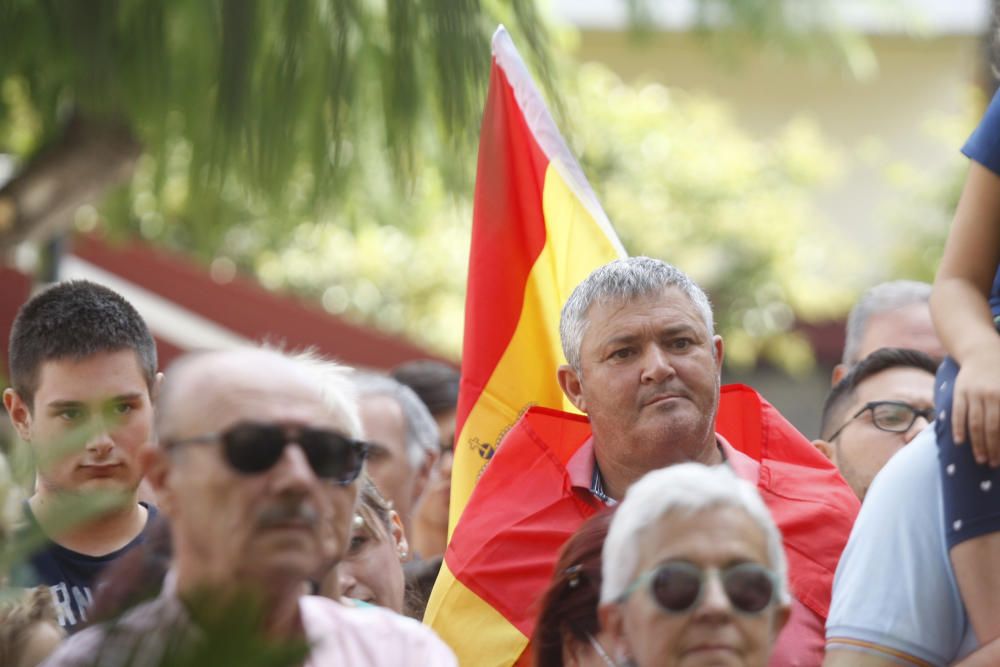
column 303, row 171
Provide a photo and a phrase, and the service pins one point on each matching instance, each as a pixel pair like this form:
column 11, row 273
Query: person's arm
column 962, row 314
column 842, row 657
column 984, row 656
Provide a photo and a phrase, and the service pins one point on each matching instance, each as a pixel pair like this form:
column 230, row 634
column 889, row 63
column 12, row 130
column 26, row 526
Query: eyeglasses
column 891, row 416
column 678, row 586
column 252, row 448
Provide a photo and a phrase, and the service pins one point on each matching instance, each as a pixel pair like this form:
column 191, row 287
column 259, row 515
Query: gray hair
column 623, row 280
column 882, row 298
column 687, row 488
column 336, row 387
column 330, row 380
column 421, row 429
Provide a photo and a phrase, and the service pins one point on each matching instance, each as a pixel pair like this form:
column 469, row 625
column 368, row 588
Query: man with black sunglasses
column 256, row 466
column 876, row 409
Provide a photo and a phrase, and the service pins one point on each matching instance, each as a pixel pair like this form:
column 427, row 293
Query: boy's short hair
column 74, row 320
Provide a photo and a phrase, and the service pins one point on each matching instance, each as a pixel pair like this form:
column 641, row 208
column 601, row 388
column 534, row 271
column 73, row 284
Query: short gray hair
column 686, row 488
column 328, row 379
column 335, row 385
column 882, row 298
column 421, row 430
column 623, row 280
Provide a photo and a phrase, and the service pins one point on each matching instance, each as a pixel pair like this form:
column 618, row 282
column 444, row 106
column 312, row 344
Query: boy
column 82, row 362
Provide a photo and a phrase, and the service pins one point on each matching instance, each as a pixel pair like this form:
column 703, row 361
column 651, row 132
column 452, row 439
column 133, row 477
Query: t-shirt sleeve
column 984, row 144
column 894, row 593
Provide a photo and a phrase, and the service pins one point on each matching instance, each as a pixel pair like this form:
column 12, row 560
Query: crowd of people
column 264, row 506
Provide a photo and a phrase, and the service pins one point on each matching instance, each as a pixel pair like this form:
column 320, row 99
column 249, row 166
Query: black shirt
column 70, row 575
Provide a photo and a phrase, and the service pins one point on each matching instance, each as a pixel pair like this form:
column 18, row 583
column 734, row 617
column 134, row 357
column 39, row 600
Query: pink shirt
column 370, row 636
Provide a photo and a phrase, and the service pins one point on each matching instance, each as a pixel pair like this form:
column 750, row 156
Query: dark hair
column 373, row 508
column 436, row 383
column 420, row 576
column 569, row 605
column 74, row 320
column 880, row 360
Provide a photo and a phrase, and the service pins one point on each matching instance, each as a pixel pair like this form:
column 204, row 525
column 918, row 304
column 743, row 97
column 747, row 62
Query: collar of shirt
column 584, row 473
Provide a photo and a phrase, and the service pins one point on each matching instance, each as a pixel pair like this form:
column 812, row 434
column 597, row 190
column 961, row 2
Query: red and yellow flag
column 537, row 232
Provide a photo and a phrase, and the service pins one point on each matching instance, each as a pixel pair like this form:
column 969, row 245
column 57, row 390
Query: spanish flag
column 537, row 232
column 501, row 555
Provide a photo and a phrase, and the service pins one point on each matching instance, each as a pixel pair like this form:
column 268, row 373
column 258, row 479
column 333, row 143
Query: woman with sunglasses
column 693, row 572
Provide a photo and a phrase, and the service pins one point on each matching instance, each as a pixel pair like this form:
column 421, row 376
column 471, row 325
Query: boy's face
column 104, row 396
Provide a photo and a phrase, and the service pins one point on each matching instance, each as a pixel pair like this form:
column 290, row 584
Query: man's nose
column 293, row 472
column 100, row 444
column 656, row 365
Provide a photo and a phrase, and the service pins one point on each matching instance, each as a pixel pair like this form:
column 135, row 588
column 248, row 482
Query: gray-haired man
column 892, row 314
column 644, row 366
column 403, row 441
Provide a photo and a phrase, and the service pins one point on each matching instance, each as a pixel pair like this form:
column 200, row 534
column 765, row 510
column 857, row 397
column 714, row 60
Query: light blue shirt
column 894, row 592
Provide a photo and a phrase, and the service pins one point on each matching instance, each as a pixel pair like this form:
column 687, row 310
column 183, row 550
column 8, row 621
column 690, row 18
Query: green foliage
column 258, row 92
column 681, row 181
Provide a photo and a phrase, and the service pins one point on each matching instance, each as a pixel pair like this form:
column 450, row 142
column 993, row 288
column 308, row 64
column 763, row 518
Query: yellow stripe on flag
column 479, row 634
column 575, row 245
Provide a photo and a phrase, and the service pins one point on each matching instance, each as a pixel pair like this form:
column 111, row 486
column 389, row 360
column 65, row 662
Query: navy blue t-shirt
column 69, row 575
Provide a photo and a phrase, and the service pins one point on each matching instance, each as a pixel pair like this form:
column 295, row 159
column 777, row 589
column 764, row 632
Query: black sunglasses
column 251, row 448
column 891, row 416
column 678, row 586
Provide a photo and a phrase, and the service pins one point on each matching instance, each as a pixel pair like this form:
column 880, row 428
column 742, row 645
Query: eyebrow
column 69, row 403
column 669, row 331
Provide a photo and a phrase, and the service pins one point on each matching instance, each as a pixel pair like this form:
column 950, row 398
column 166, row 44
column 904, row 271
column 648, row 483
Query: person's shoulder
column 375, row 629
column 111, row 643
column 894, row 592
column 906, row 472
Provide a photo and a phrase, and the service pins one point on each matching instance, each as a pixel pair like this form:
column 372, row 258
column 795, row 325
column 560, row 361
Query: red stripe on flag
column 508, row 234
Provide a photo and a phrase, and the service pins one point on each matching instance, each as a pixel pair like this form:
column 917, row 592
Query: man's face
column 280, row 525
column 437, row 499
column 861, row 449
column 649, row 381
column 712, row 632
column 104, row 396
column 388, row 464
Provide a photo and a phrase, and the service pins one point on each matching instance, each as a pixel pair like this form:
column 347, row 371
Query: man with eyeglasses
column 874, row 411
column 256, row 467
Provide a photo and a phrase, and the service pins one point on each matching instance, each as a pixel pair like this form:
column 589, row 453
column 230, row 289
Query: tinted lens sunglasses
column 252, row 448
column 678, row 586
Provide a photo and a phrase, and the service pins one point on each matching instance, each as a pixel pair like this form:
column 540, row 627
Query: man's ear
column 720, row 351
column 423, row 475
column 826, row 448
column 572, row 386
column 839, row 371
column 19, row 412
column 154, row 391
column 156, row 468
